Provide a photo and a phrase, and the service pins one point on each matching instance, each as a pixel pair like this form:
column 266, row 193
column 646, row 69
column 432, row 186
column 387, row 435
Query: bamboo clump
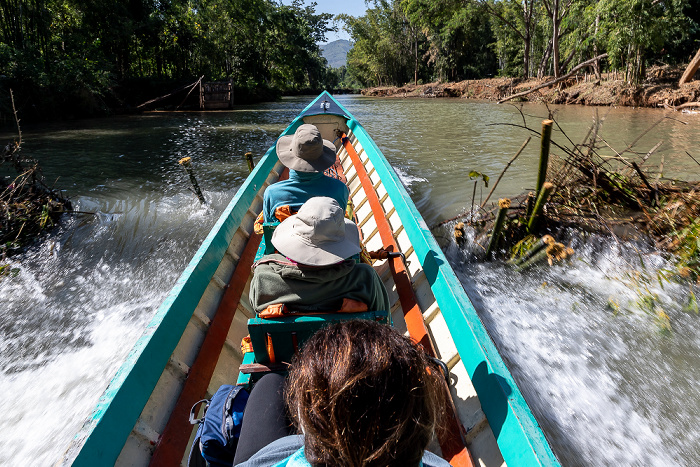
column 589, row 190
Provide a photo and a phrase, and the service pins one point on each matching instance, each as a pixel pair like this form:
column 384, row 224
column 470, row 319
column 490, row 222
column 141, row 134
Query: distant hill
column 336, row 52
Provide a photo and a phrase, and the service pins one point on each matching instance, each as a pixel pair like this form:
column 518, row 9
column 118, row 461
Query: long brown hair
column 364, row 395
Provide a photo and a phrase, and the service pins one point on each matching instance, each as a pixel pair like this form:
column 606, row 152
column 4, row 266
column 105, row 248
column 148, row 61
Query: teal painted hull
column 519, row 438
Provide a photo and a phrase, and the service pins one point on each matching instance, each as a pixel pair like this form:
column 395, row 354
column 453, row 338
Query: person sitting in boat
column 307, row 155
column 313, row 270
column 359, row 394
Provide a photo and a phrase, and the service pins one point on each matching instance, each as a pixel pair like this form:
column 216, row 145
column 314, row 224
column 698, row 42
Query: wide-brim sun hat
column 306, row 150
column 318, row 235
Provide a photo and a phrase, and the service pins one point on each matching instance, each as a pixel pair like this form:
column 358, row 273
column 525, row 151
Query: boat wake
column 596, row 346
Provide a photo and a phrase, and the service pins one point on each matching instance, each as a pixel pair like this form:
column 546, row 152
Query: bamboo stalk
column 503, row 205
column 547, row 189
column 539, row 245
column 249, row 159
column 530, row 204
column 186, row 163
column 544, row 154
column 538, row 257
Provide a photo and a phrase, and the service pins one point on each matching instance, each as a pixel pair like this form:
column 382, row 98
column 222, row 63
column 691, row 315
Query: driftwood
column 554, row 81
column 691, row 70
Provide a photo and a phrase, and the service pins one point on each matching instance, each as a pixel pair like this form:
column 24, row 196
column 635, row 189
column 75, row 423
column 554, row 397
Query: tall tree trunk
column 415, row 71
column 596, row 64
column 526, row 57
column 556, row 23
column 542, row 71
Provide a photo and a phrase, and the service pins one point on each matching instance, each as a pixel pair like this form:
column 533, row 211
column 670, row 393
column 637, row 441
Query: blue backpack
column 219, row 428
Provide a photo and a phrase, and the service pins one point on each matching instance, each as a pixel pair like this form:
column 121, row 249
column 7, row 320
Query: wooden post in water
column 249, row 159
column 544, row 154
column 186, row 163
column 503, row 205
column 547, row 189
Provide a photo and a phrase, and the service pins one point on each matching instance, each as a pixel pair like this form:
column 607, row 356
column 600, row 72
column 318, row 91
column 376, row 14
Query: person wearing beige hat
column 313, row 270
column 307, row 155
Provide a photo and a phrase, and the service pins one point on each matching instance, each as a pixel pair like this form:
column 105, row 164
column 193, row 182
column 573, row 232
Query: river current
column 608, row 384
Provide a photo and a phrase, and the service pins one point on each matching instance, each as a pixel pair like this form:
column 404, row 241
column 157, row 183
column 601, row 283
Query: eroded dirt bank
column 658, row 90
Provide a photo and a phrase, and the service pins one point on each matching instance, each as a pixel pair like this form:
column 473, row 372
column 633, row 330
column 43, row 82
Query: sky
column 335, row 7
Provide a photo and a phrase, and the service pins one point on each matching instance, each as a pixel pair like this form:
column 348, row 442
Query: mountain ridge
column 336, row 52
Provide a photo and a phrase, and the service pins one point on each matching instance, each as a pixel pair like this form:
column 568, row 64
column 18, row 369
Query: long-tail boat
column 192, row 345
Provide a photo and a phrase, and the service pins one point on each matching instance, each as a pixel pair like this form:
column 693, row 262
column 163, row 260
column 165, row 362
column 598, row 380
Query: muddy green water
column 607, row 386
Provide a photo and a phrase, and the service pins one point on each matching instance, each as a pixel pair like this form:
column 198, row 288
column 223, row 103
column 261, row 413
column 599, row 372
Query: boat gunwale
column 494, row 384
column 105, row 432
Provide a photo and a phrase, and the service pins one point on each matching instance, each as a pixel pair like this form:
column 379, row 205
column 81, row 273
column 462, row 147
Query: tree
column 518, row 17
column 632, row 28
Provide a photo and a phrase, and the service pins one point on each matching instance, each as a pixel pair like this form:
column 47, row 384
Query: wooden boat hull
column 191, row 346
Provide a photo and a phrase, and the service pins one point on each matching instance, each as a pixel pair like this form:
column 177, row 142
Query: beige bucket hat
column 306, row 150
column 318, row 235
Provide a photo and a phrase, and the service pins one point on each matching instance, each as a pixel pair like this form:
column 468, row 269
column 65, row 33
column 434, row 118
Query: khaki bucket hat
column 306, row 150
column 318, row 235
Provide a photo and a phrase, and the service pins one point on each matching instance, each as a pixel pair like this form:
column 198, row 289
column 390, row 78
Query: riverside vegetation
column 593, row 189
column 28, row 206
column 91, row 57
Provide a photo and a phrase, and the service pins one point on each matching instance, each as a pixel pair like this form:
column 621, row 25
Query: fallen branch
column 174, row 92
column 555, row 81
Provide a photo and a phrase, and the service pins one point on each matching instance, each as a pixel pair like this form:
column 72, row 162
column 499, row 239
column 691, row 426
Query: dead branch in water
column 28, row 206
column 594, row 191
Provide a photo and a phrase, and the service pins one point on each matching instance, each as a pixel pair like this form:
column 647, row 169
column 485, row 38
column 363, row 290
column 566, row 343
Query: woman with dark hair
column 360, row 394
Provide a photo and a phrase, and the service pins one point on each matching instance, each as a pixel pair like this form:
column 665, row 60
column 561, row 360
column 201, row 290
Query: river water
column 607, row 383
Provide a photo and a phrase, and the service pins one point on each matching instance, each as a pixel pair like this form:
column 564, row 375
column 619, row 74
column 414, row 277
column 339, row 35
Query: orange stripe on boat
column 452, row 443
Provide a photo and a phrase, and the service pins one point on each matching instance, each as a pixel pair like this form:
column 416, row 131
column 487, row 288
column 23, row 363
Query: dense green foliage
column 402, row 41
column 82, row 56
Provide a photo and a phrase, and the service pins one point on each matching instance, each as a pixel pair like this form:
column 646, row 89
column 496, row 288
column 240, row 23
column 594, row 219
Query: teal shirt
column 298, row 188
column 289, row 452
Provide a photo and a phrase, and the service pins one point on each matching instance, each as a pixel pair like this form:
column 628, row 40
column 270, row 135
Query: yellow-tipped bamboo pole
column 539, row 245
column 186, row 163
column 544, row 154
column 503, row 205
column 547, row 189
column 249, row 159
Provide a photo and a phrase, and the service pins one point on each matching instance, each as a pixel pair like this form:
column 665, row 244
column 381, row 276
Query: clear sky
column 335, row 7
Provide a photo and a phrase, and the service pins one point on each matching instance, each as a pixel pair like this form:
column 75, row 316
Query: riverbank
column 660, row 89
